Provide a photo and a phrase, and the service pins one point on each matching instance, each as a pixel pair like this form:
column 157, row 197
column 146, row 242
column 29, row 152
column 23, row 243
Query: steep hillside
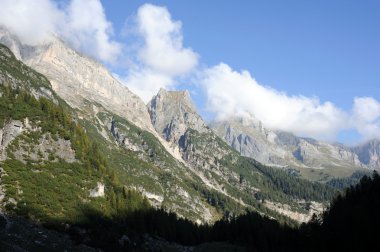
column 50, row 170
column 138, row 156
column 141, row 162
column 240, row 179
column 169, row 155
column 53, row 174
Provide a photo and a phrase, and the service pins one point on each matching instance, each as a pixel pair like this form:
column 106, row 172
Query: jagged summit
column 172, row 113
column 181, row 98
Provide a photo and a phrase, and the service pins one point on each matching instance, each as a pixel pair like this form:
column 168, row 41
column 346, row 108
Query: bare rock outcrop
column 172, row 113
column 7, row 134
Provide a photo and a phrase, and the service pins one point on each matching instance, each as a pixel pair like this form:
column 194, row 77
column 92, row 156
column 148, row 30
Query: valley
column 81, row 154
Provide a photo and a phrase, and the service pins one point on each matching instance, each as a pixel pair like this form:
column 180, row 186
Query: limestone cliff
column 78, row 79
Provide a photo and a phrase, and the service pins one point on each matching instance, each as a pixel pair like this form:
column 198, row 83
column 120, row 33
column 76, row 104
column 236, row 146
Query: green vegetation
column 343, row 183
column 23, row 76
column 49, row 191
column 56, row 193
column 351, row 223
column 270, row 184
column 151, row 167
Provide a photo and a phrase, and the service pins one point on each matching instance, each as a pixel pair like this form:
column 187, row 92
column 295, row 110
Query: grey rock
column 172, row 113
column 7, row 134
column 78, row 79
column 250, row 138
column 369, row 153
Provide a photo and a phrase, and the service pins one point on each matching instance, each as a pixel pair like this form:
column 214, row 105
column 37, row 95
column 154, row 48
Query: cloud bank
column 231, row 93
column 81, row 23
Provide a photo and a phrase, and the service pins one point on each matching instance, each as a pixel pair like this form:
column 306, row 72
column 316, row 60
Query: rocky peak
column 172, row 113
column 369, row 153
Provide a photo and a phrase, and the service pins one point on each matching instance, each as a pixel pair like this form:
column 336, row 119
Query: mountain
column 58, row 187
column 95, row 162
column 369, row 154
column 313, row 159
column 78, row 79
column 164, row 151
column 50, row 171
column 220, row 167
column 119, row 122
column 172, row 113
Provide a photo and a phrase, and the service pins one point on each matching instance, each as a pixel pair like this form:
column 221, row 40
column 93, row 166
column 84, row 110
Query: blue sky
column 330, row 49
column 308, row 67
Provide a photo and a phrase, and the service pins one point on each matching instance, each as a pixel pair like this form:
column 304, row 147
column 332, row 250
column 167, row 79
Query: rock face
column 98, row 191
column 175, row 118
column 172, row 113
column 78, row 79
column 7, row 134
column 252, row 139
column 83, row 83
column 369, row 154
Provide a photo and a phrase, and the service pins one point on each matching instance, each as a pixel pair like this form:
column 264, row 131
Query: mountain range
column 164, row 150
column 313, row 159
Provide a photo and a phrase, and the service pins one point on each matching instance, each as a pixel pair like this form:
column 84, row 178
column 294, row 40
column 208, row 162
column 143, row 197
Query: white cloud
column 232, row 93
column 146, row 83
column 88, row 30
column 161, row 57
column 366, row 117
column 82, row 23
column 163, row 50
column 158, row 61
column 31, row 21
